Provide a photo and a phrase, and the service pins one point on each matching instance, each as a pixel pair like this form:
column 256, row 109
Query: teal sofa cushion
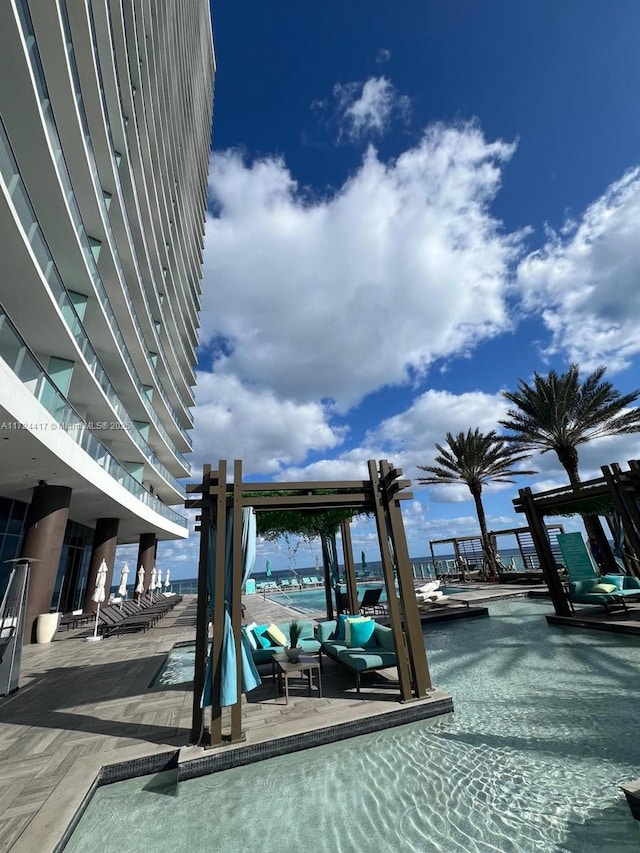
column 384, row 638
column 362, row 659
column 326, row 630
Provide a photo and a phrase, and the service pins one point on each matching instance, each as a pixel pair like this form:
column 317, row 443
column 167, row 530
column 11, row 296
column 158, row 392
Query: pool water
column 543, row 733
column 178, row 667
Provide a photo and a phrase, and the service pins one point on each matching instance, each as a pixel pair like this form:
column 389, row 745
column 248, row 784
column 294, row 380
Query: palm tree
column 558, row 413
column 476, row 459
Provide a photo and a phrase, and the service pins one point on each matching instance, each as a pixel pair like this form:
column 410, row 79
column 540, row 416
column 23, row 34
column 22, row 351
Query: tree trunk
column 487, row 547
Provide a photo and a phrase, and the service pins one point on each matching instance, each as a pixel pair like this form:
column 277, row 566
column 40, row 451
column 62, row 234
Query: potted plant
column 292, row 650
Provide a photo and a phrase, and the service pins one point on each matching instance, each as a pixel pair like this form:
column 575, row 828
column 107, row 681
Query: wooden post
column 408, row 603
column 236, row 597
column 202, row 620
column 545, row 555
column 349, row 567
column 395, row 617
column 326, row 565
column 220, row 492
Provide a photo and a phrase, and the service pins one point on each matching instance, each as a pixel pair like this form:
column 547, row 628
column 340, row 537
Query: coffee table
column 284, row 669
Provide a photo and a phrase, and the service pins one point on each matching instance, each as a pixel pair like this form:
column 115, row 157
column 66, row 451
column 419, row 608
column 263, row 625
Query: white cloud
column 584, row 282
column 409, row 438
column 233, row 421
column 383, row 55
column 366, row 108
column 330, row 299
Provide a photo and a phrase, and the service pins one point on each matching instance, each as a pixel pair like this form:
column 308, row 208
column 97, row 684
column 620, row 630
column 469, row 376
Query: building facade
column 105, row 124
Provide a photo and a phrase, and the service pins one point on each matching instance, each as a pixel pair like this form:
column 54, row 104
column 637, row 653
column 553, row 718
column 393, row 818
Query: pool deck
column 82, row 707
column 617, row 622
column 85, row 711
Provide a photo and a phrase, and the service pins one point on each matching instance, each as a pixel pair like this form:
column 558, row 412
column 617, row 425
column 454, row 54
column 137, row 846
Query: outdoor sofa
column 606, row 590
column 263, row 646
column 378, row 652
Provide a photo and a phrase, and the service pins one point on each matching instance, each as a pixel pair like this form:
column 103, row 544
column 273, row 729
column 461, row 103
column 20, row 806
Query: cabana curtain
column 228, row 668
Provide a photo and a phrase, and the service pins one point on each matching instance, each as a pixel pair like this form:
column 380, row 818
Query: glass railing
column 26, row 214
column 25, row 365
column 83, row 238
column 161, row 390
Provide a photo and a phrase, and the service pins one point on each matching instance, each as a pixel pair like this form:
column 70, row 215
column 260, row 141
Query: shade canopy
column 140, row 584
column 122, row 589
column 99, row 592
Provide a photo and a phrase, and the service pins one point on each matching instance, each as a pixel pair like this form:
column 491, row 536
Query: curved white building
column 105, row 122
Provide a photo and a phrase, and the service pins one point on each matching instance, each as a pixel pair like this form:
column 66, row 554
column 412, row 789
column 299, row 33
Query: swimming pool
column 314, row 600
column 543, row 734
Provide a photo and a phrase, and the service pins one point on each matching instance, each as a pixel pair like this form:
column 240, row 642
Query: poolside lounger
column 75, row 619
column 370, row 603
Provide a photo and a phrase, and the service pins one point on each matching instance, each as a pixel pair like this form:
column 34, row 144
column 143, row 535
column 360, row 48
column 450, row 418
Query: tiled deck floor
column 82, row 706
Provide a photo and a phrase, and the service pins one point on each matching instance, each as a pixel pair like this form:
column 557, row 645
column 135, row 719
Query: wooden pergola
column 379, row 496
column 470, row 547
column 617, row 491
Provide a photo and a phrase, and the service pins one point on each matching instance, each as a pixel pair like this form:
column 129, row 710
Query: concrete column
column 146, row 556
column 44, row 536
column 105, row 540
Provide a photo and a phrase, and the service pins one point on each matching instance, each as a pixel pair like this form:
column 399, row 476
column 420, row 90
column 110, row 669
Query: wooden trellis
column 616, row 491
column 380, row 496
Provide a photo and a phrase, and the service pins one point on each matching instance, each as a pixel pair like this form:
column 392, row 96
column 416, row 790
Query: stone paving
column 82, row 706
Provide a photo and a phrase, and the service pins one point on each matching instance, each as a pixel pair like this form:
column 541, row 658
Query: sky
column 411, row 207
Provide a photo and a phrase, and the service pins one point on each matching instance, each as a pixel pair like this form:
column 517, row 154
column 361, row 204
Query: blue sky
column 412, row 205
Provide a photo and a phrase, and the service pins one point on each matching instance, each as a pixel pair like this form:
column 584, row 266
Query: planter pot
column 46, row 627
column 293, row 654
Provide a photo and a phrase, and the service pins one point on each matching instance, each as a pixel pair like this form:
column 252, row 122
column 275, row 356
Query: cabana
column 225, row 543
column 468, row 549
column 615, row 495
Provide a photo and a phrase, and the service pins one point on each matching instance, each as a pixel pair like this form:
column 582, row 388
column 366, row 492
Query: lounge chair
column 343, row 602
column 315, row 581
column 370, row 603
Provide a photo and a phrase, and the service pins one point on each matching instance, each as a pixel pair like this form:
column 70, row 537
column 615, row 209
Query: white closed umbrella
column 154, row 575
column 99, row 595
column 122, row 589
column 166, row 580
column 140, row 584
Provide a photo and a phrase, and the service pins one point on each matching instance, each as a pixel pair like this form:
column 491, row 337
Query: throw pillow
column 349, row 621
column 260, row 633
column 340, row 635
column 276, row 636
column 247, row 630
column 361, row 635
column 604, row 587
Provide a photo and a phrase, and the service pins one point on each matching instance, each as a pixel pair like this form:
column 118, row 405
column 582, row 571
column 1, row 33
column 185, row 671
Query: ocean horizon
column 422, row 566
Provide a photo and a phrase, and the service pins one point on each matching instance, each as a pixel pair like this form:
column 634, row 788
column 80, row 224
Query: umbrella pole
column 95, row 628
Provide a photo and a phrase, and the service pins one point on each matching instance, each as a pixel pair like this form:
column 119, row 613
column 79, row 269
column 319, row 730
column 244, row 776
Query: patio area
column 85, row 706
